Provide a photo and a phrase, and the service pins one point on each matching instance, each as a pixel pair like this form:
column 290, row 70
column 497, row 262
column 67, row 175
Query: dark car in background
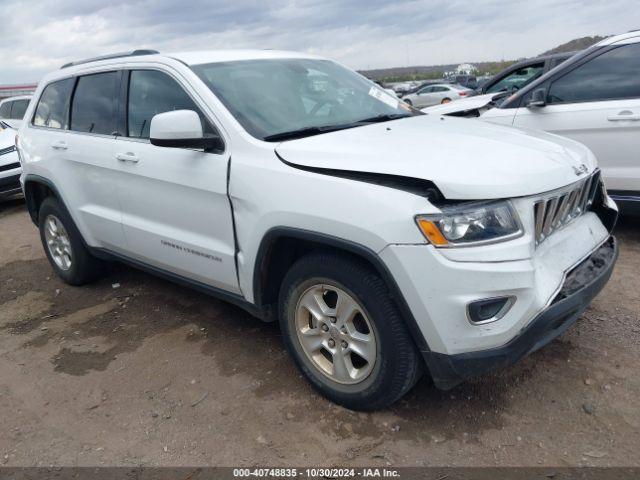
column 522, row 73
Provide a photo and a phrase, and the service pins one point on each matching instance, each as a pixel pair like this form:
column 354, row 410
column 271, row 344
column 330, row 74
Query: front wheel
column 408, row 102
column 445, row 100
column 345, row 333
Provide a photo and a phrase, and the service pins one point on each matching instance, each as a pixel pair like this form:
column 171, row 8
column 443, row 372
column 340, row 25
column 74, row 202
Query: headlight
column 471, row 224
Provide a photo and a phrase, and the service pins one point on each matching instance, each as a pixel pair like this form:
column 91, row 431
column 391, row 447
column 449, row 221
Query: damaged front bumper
column 579, row 288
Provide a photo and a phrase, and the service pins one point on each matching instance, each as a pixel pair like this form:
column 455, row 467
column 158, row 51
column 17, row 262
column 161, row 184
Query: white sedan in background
column 436, row 94
column 9, row 164
column 12, row 110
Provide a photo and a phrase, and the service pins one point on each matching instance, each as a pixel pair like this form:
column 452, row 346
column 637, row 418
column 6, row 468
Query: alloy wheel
column 336, row 334
column 58, row 242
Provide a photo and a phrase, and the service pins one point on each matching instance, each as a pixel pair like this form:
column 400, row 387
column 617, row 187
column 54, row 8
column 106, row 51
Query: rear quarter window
column 53, row 106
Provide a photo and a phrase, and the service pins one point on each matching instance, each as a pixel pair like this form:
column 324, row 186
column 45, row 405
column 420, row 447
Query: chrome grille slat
column 552, row 207
column 585, row 194
column 571, row 205
column 555, row 211
column 563, row 210
column 539, row 210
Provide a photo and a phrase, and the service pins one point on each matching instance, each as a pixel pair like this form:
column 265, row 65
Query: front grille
column 10, row 149
column 11, row 166
column 558, row 209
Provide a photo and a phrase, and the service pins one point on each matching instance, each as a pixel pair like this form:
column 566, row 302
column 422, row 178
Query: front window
column 517, row 79
column 610, row 76
column 278, row 99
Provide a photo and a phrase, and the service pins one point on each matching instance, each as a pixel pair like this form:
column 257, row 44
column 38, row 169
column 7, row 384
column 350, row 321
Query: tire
column 67, row 245
column 408, row 102
column 445, row 100
column 396, row 364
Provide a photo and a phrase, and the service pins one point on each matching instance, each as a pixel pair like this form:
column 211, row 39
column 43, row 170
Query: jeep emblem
column 581, row 169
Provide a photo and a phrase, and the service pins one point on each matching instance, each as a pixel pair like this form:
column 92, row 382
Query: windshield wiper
column 310, row 131
column 305, row 132
column 386, row 117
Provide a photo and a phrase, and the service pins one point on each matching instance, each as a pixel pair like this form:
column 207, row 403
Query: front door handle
column 625, row 115
column 127, row 157
column 59, row 145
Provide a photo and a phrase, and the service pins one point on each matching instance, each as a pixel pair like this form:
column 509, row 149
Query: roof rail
column 134, row 53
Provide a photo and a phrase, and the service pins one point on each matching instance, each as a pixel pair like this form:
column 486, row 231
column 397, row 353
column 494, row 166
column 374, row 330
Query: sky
column 37, row 36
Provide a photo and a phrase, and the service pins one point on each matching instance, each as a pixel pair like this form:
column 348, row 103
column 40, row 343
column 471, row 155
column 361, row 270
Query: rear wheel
column 345, row 333
column 63, row 245
column 408, row 102
column 445, row 100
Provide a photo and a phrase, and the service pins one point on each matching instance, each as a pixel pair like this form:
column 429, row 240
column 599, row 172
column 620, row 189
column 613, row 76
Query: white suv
column 382, row 239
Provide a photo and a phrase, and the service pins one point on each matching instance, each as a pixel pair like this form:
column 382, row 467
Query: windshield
column 271, row 98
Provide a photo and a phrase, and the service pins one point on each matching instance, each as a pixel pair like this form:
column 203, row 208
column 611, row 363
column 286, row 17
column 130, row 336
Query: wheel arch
column 282, row 246
column 36, row 189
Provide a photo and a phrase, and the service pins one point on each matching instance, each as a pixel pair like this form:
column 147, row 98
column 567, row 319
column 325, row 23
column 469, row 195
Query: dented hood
column 465, row 160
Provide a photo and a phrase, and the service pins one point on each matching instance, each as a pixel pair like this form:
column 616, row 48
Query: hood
column 461, row 105
column 466, row 160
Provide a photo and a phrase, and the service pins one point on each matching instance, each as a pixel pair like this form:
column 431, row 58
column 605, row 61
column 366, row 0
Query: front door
column 175, row 211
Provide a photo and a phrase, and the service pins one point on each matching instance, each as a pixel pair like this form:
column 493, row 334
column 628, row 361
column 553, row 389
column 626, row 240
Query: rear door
column 425, row 97
column 48, row 133
column 92, row 174
column 598, row 103
column 176, row 213
column 444, row 92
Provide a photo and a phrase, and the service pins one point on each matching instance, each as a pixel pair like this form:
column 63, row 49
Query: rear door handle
column 627, row 115
column 127, row 157
column 59, row 145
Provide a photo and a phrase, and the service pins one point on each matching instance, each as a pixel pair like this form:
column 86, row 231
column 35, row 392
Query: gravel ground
column 134, row 370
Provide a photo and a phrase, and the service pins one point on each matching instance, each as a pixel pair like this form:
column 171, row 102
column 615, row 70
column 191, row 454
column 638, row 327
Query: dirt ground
column 150, row 373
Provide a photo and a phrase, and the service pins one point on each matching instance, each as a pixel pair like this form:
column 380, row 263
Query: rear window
column 53, row 106
column 94, row 107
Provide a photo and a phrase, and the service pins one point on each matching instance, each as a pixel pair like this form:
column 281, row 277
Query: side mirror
column 180, row 129
column 538, row 98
